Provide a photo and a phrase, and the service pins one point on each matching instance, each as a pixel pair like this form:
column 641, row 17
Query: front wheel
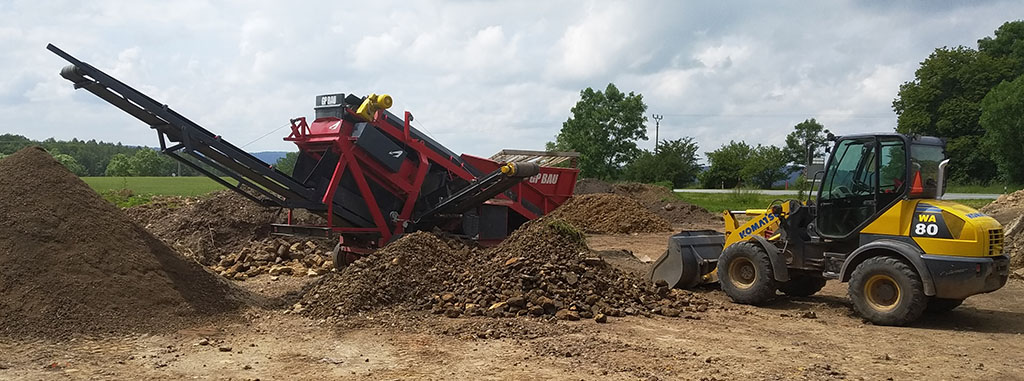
column 745, row 272
column 887, row 291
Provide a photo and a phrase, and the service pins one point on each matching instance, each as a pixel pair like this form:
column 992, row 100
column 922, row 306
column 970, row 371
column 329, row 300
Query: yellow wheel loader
column 878, row 222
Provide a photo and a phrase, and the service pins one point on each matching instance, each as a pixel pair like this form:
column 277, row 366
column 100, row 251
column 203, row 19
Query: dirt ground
column 814, row 338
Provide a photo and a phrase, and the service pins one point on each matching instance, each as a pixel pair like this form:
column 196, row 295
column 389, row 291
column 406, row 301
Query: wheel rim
column 742, row 273
column 882, row 291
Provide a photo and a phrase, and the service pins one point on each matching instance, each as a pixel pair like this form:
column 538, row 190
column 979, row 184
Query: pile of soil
column 277, row 257
column 659, row 200
column 1010, row 200
column 543, row 269
column 1006, row 208
column 72, row 263
column 603, row 213
column 588, row 186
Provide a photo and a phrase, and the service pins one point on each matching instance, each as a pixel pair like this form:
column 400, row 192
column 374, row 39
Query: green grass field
column 167, row 186
column 718, row 202
column 142, row 187
column 992, row 189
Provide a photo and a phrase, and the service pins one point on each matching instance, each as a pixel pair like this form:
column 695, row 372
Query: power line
column 264, row 135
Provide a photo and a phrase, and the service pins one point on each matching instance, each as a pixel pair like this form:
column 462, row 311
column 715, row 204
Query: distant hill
column 269, row 157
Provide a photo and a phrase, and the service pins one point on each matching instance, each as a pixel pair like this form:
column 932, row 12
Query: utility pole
column 657, row 125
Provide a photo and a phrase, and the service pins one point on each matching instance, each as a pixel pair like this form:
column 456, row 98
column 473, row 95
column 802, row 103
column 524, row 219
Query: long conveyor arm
column 255, row 179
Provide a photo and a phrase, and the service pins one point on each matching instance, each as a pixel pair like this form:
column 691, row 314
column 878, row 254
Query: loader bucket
column 690, row 260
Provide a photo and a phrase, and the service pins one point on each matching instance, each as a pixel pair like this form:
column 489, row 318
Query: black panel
column 493, row 221
column 380, row 147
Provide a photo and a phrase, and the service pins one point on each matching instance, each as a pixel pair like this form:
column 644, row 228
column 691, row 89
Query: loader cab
column 867, row 174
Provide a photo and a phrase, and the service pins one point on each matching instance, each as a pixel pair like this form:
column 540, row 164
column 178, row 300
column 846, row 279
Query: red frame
column 335, row 134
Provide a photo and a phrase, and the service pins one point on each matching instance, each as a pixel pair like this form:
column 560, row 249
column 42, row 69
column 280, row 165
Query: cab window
column 924, row 170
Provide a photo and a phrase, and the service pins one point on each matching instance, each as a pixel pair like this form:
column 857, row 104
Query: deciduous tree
column 1002, row 116
column 806, row 142
column 604, row 128
column 675, row 162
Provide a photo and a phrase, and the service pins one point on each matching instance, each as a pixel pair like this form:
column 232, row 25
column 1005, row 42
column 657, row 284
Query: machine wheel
column 887, row 291
column 802, row 285
column 342, row 258
column 745, row 272
column 942, row 305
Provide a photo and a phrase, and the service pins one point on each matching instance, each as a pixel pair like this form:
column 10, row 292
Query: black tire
column 745, row 272
column 802, row 285
column 887, row 291
column 938, row 305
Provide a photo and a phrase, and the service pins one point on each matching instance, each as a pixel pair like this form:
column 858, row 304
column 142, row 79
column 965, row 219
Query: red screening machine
column 367, row 171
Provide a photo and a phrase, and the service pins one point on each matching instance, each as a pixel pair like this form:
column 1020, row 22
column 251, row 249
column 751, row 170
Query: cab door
column 864, row 176
column 845, row 200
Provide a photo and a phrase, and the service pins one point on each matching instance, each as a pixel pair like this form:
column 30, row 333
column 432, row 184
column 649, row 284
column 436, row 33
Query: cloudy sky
column 479, row 75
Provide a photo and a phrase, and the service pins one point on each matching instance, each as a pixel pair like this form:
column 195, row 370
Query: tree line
column 605, row 127
column 93, row 158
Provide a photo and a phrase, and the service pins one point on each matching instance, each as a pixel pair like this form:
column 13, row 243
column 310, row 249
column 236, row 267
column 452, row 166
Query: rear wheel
column 943, row 305
column 745, row 272
column 887, row 291
column 802, row 285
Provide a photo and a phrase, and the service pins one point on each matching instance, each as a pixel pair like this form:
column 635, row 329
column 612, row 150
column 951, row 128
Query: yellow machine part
column 373, row 103
column 970, row 233
column 761, row 220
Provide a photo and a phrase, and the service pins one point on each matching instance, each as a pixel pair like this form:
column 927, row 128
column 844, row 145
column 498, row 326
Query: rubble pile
column 206, row 227
column 1013, row 242
column 277, row 257
column 230, row 234
column 1009, row 210
column 609, row 213
column 543, row 269
column 1013, row 200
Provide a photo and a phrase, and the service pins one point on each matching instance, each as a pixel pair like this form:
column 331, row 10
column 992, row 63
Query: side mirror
column 940, row 187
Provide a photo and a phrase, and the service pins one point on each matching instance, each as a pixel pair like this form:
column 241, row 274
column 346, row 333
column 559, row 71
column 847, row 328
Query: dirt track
column 981, row 339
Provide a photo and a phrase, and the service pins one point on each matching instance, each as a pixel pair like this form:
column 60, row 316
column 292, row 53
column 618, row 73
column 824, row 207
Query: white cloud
column 601, row 41
column 479, row 76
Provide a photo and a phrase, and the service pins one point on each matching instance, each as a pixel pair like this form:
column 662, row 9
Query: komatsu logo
column 757, row 225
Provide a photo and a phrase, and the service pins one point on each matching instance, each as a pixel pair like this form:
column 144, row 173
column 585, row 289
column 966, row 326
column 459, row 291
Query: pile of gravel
column 543, row 269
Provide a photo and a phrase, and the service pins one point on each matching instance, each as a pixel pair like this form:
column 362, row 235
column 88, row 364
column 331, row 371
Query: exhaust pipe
column 940, row 187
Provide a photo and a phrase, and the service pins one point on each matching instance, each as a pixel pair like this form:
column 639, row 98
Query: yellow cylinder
column 384, row 101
